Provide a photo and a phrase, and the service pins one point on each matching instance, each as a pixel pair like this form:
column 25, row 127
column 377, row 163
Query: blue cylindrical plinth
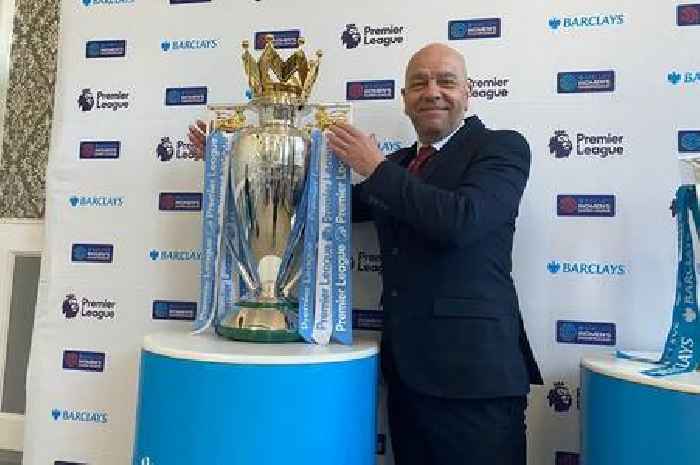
column 632, row 419
column 205, row 400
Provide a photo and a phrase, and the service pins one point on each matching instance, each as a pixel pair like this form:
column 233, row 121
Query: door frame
column 18, row 238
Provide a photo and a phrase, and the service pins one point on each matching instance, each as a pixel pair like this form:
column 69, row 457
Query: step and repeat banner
column 606, row 94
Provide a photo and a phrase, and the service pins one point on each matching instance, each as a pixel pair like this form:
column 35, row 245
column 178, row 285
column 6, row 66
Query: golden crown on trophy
column 273, row 78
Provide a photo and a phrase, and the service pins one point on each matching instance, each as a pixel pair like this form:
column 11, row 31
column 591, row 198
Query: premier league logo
column 560, row 144
column 165, row 151
column 86, row 100
column 560, row 397
column 70, row 306
column 351, row 36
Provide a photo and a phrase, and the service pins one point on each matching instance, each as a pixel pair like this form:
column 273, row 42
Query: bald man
column 455, row 355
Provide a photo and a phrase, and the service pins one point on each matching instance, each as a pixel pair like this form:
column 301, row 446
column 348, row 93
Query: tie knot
column 425, row 151
column 424, row 154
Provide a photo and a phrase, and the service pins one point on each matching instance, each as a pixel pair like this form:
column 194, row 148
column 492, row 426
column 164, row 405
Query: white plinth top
column 609, row 365
column 208, row 347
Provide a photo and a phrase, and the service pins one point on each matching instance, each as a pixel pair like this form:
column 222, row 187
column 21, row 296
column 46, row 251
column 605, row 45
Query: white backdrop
column 615, row 271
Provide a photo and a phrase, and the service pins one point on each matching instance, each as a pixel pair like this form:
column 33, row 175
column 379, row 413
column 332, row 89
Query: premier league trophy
column 271, row 202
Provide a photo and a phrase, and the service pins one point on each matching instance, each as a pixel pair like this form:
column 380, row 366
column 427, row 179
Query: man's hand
column 355, row 148
column 198, row 136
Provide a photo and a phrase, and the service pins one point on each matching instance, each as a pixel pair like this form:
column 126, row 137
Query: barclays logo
column 586, row 268
column 688, row 15
column 98, row 201
column 189, row 44
column 174, row 255
column 682, row 78
column 96, row 150
column 386, row 146
column 79, row 416
column 586, row 21
column 106, row 2
column 689, row 141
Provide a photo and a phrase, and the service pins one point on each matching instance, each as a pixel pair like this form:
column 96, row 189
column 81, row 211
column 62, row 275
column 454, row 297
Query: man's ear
column 403, row 99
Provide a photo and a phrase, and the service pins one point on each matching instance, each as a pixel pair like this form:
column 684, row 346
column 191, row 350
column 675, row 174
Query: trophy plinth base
column 261, row 322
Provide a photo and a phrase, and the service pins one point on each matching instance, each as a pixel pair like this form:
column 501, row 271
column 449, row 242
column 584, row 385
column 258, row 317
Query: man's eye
column 448, row 83
column 417, row 84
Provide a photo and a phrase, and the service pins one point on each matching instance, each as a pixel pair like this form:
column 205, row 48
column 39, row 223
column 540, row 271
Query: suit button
column 395, row 251
column 394, row 293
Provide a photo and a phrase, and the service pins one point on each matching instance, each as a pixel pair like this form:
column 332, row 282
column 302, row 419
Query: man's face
column 436, row 93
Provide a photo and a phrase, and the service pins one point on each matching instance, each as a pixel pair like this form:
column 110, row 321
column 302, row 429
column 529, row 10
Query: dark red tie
column 420, row 160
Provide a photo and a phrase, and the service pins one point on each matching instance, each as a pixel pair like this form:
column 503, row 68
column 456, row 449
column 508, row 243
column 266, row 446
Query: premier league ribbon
column 681, row 352
column 325, row 311
column 216, row 167
column 322, row 217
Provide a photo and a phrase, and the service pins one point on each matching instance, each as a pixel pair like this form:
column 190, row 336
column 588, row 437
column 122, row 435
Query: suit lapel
column 455, row 153
column 402, row 155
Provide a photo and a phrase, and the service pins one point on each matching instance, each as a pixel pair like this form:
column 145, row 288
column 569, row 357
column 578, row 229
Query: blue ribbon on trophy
column 681, row 352
column 275, row 225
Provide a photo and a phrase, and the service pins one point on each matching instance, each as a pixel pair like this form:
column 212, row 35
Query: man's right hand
column 198, row 136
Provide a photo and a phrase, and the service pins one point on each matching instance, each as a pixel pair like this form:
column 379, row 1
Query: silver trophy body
column 269, row 165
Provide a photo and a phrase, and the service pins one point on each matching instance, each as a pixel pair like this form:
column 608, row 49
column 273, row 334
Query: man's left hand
column 355, row 148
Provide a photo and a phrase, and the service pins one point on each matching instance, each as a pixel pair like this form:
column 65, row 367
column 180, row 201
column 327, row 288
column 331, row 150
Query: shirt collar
column 441, row 143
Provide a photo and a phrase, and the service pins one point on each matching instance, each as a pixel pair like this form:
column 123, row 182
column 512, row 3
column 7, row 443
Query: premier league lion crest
column 560, row 145
column 70, row 306
column 351, row 36
column 560, row 397
column 86, row 100
column 165, row 150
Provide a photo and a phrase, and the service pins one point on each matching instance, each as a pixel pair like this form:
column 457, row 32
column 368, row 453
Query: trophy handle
column 228, row 118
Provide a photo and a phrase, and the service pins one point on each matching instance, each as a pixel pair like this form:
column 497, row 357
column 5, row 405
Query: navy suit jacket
column 452, row 325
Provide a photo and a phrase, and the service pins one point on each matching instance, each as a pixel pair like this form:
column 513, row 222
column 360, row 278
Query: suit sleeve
column 488, row 195
column 361, row 212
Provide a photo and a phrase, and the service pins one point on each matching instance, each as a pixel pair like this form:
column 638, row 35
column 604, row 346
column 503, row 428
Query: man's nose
column 432, row 90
